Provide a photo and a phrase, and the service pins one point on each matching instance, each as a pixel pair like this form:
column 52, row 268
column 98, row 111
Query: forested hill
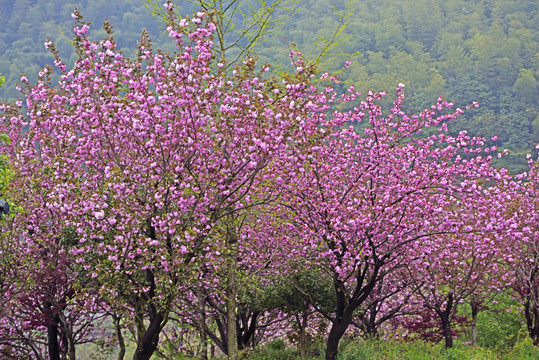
column 466, row 50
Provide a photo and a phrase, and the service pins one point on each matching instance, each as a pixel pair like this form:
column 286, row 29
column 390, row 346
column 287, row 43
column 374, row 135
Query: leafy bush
column 390, row 350
column 524, row 350
column 498, row 326
column 276, row 350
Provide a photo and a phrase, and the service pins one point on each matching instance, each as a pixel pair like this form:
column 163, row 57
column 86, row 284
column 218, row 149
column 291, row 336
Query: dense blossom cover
column 165, row 191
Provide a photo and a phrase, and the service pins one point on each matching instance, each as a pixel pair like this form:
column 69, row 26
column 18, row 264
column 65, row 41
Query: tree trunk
column 148, row 343
column 345, row 307
column 148, row 338
column 52, row 334
column 532, row 314
column 475, row 311
column 67, row 336
column 52, row 339
column 371, row 330
column 302, row 348
column 71, row 352
column 445, row 318
column 246, row 327
column 221, row 340
column 302, row 335
column 335, row 335
column 231, row 333
column 119, row 336
column 446, row 329
column 231, row 293
column 203, row 346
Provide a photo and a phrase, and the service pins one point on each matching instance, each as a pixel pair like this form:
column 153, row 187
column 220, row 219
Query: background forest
column 465, row 50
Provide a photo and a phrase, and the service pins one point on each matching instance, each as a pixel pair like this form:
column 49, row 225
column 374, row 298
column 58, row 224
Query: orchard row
column 166, row 195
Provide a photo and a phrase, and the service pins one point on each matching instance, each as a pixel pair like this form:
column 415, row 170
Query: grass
column 393, row 350
column 366, row 350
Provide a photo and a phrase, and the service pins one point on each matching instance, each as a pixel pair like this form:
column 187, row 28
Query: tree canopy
column 483, row 51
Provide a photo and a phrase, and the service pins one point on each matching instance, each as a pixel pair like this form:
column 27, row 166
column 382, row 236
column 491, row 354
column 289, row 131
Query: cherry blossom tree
column 463, row 266
column 450, row 275
column 42, row 316
column 148, row 160
column 521, row 249
column 367, row 199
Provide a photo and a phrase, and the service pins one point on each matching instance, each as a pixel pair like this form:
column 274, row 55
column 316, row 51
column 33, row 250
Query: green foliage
column 416, row 350
column 295, row 293
column 6, row 173
column 499, row 326
column 392, row 350
column 69, row 236
column 275, row 350
column 524, row 350
column 535, row 127
column 466, row 352
column 29, row 23
column 525, row 85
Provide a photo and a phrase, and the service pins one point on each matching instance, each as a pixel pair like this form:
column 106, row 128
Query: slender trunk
column 536, row 325
column 345, row 306
column 119, row 336
column 246, row 328
column 445, row 318
column 221, row 340
column 340, row 324
column 231, row 333
column 370, row 321
column 474, row 330
column 302, row 350
column 341, row 321
column 52, row 339
column 203, row 351
column 231, row 293
column 532, row 313
column 446, row 329
column 67, row 336
column 302, row 334
column 71, row 352
column 148, row 338
column 52, row 334
column 371, row 332
column 475, row 311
